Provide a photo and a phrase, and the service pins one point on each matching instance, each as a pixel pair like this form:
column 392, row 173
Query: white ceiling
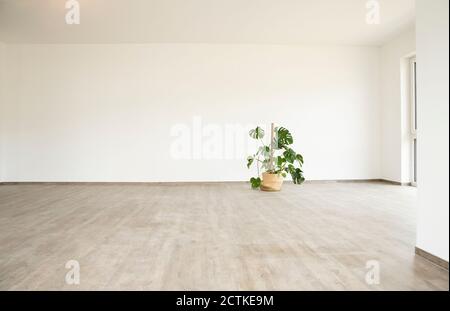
column 204, row 21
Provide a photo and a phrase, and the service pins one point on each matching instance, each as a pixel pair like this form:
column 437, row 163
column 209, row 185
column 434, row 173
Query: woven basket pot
column 271, row 182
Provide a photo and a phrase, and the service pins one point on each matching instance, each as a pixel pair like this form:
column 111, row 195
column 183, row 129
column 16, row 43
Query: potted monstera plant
column 275, row 160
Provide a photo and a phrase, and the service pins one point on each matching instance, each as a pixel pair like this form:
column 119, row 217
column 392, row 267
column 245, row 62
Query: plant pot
column 271, row 182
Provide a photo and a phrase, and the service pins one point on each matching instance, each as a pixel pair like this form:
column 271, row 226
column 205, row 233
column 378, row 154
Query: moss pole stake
column 272, row 130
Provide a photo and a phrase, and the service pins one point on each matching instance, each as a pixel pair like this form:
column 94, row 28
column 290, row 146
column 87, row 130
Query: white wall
column 2, row 101
column 433, row 123
column 395, row 115
column 104, row 112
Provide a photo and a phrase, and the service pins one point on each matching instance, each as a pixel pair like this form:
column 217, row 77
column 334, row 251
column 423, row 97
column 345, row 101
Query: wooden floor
column 211, row 237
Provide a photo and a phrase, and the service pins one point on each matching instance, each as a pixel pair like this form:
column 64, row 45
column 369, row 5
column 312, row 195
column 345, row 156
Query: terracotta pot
column 271, row 182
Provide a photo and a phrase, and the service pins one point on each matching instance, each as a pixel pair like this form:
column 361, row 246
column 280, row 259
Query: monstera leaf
column 280, row 161
column 250, row 161
column 299, row 158
column 290, row 155
column 297, row 176
column 284, row 138
column 257, row 133
column 255, row 182
column 264, row 150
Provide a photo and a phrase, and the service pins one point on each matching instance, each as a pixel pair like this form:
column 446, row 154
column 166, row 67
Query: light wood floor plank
column 211, row 237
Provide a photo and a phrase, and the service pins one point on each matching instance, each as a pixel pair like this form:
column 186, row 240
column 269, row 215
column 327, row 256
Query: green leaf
column 290, row 168
column 264, row 150
column 284, row 138
column 280, row 161
column 255, row 182
column 290, row 155
column 257, row 133
column 250, row 161
column 299, row 158
column 297, row 176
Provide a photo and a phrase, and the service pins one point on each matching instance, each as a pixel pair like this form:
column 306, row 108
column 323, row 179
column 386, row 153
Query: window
column 414, row 123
